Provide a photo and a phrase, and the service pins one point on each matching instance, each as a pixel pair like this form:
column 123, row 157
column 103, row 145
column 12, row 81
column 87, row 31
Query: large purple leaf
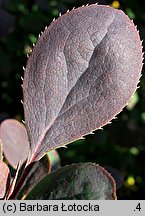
column 15, row 141
column 83, row 70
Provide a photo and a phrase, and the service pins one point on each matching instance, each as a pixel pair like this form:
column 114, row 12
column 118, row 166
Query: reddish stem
column 21, row 180
column 24, row 174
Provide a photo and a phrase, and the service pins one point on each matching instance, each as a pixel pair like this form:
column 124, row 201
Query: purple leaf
column 15, row 141
column 4, row 178
column 82, row 72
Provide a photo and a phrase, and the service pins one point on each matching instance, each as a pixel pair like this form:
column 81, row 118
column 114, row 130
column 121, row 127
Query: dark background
column 120, row 145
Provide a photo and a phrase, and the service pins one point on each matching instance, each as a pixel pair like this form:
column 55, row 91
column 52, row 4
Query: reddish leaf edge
column 111, row 179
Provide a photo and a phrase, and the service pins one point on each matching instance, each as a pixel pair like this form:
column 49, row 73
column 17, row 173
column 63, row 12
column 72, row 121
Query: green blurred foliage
column 120, row 145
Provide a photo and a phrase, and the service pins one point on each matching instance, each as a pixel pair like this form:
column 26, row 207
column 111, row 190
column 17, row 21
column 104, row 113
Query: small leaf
column 78, row 181
column 82, row 72
column 15, row 141
column 40, row 169
column 4, row 179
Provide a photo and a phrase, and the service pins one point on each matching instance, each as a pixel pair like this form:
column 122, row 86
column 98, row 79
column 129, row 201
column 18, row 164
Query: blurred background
column 120, row 147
